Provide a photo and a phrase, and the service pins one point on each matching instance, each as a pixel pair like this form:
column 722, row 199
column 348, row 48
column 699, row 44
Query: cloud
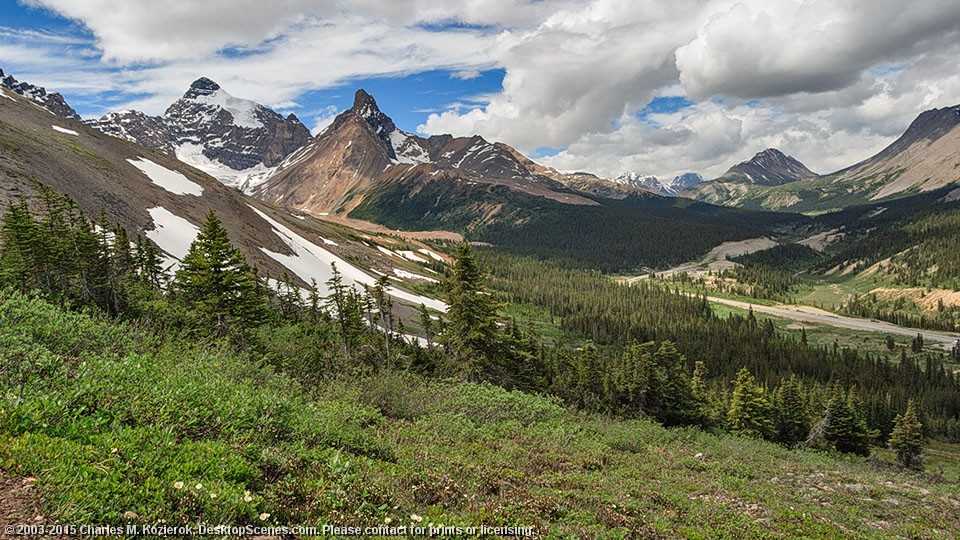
column 466, row 75
column 827, row 81
column 323, row 119
column 758, row 48
column 575, row 72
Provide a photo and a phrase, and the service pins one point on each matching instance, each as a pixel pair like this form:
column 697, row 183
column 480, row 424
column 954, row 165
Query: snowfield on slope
column 65, row 130
column 170, row 180
column 171, row 232
column 312, row 262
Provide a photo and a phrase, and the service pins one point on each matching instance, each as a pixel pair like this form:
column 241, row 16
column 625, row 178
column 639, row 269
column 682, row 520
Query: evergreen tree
column 347, row 308
column 750, row 412
column 471, row 335
column 216, row 282
column 907, row 438
column 846, row 428
column 790, row 412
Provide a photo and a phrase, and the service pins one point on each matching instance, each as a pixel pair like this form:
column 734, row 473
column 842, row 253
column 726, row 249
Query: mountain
column 362, row 154
column 655, row 185
column 770, row 167
column 237, row 141
column 684, row 181
column 925, row 158
column 154, row 195
column 52, row 101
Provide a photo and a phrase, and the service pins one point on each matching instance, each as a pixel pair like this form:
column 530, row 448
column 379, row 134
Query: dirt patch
column 18, row 507
column 380, row 229
column 928, row 300
column 820, row 241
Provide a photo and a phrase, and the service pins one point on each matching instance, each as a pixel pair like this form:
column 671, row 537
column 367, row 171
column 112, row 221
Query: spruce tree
column 216, row 282
column 845, row 428
column 907, row 438
column 471, row 335
column 790, row 412
column 750, row 412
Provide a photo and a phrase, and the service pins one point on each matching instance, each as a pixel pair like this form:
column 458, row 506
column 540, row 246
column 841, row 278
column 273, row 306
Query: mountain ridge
column 235, row 140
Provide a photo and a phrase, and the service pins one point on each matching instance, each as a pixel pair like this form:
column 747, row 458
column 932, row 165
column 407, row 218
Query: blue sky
column 606, row 86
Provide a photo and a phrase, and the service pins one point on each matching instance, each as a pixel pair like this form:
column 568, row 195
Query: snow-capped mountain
column 237, row 141
column 655, row 185
column 52, row 101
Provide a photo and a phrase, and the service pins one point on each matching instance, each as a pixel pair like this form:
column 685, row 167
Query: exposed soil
column 18, row 507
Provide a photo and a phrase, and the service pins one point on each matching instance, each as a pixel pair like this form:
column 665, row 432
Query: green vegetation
column 114, row 419
column 178, row 406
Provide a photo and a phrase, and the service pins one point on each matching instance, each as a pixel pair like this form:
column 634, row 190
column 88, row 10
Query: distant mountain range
column 926, row 157
column 655, row 185
column 770, row 167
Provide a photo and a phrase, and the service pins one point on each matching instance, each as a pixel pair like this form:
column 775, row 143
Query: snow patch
column 3, row 92
column 327, row 242
column 411, row 256
column 171, row 232
column 245, row 179
column 407, row 149
column 431, row 254
column 65, row 130
column 312, row 262
column 403, row 274
column 242, row 110
column 172, row 181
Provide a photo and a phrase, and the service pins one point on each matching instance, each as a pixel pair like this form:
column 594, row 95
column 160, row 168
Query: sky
column 659, row 87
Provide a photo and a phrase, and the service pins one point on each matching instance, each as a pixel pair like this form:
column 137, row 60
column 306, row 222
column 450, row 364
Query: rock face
column 52, row 101
column 770, row 167
column 363, row 152
column 235, row 140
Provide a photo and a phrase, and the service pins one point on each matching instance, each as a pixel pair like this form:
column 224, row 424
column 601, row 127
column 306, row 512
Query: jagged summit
column 361, row 98
column 201, row 87
column 52, row 101
column 770, row 167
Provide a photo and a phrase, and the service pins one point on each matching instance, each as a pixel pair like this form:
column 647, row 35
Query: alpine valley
column 213, row 316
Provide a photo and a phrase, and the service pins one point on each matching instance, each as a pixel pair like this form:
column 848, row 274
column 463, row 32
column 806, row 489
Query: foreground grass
column 120, row 426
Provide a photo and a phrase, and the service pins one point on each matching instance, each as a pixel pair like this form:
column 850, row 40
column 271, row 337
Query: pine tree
column 750, row 412
column 217, row 283
column 790, row 412
column 907, row 438
column 846, row 428
column 471, row 335
column 347, row 308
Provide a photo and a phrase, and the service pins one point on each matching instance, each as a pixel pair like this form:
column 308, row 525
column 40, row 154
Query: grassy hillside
column 119, row 425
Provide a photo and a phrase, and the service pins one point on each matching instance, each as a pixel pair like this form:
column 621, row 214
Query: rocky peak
column 929, row 126
column 365, row 107
column 51, row 101
column 685, row 180
column 234, row 139
column 201, row 87
column 769, row 167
